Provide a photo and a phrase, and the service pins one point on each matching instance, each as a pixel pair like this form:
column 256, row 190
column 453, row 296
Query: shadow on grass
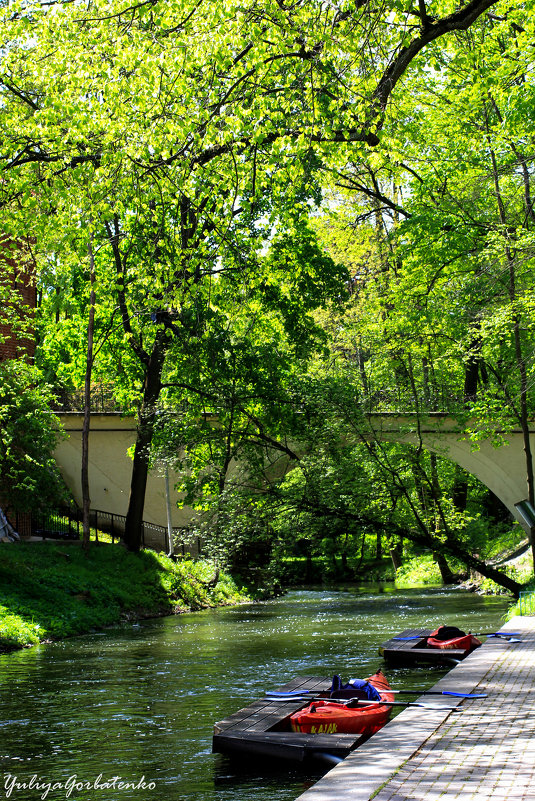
column 51, row 590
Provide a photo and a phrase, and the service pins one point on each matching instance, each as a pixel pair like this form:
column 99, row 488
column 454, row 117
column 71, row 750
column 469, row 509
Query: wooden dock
column 410, row 647
column 263, row 729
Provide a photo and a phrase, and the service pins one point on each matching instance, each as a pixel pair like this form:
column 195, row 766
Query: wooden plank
column 398, row 643
column 264, row 714
column 269, row 717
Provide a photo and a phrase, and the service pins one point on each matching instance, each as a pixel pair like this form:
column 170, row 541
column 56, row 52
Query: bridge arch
column 501, row 467
column 110, row 468
column 497, row 461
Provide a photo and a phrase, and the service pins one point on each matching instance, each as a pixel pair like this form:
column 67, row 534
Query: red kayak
column 327, row 717
column 451, row 637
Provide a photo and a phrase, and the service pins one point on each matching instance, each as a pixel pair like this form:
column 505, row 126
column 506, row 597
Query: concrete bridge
column 110, row 468
column 500, row 467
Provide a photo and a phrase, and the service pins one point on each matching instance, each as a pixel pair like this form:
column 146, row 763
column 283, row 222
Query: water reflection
column 140, row 701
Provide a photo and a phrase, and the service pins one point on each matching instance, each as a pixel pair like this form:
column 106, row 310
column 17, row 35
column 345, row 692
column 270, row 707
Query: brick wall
column 17, row 273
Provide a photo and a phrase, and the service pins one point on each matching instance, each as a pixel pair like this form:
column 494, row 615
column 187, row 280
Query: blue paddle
column 477, row 634
column 354, row 702
column 440, row 692
column 297, row 694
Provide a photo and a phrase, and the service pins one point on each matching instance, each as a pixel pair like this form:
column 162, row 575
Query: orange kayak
column 466, row 643
column 462, row 641
column 327, row 717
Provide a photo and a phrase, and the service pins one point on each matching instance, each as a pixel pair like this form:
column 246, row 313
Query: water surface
column 140, row 700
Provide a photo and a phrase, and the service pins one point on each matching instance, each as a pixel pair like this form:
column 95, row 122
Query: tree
column 231, row 384
column 192, row 153
column 448, row 309
column 30, row 481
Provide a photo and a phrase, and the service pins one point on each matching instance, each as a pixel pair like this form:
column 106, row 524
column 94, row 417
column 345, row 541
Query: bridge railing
column 400, row 400
column 66, row 524
column 394, row 399
column 102, row 400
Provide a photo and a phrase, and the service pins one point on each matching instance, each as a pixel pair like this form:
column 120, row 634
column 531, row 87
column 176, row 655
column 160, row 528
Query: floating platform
column 410, row 647
column 263, row 730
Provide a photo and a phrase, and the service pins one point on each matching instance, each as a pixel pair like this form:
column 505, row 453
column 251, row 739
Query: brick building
column 17, row 275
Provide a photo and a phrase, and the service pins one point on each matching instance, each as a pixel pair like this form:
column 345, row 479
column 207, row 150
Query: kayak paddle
column 439, row 692
column 476, row 634
column 403, row 703
column 296, row 695
column 435, row 692
column 354, row 702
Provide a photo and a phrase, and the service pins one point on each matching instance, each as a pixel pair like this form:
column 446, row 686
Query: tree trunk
column 396, row 558
column 455, row 549
column 86, row 499
column 445, row 572
column 378, row 546
column 471, row 375
column 459, row 492
column 140, row 468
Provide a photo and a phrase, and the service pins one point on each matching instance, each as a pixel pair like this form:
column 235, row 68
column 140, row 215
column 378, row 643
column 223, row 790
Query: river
column 139, row 701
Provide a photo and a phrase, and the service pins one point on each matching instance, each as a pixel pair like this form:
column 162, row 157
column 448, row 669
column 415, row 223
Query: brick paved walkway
column 483, row 749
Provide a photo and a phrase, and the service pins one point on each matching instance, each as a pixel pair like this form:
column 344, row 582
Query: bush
column 420, row 570
column 28, row 436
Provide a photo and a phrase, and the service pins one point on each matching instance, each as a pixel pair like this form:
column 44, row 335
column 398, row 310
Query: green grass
column 528, row 605
column 52, row 590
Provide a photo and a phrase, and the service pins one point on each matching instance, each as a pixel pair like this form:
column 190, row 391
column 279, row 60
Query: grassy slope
column 50, row 590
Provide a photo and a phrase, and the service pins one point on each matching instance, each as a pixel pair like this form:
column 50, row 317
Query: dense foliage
column 28, row 434
column 283, row 217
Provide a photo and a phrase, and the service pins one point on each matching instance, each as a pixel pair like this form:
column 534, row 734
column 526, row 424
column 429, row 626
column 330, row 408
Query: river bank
column 52, row 590
column 55, row 590
column 141, row 699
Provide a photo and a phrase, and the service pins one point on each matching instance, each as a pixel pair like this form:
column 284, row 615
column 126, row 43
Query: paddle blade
column 287, row 699
column 440, row 692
